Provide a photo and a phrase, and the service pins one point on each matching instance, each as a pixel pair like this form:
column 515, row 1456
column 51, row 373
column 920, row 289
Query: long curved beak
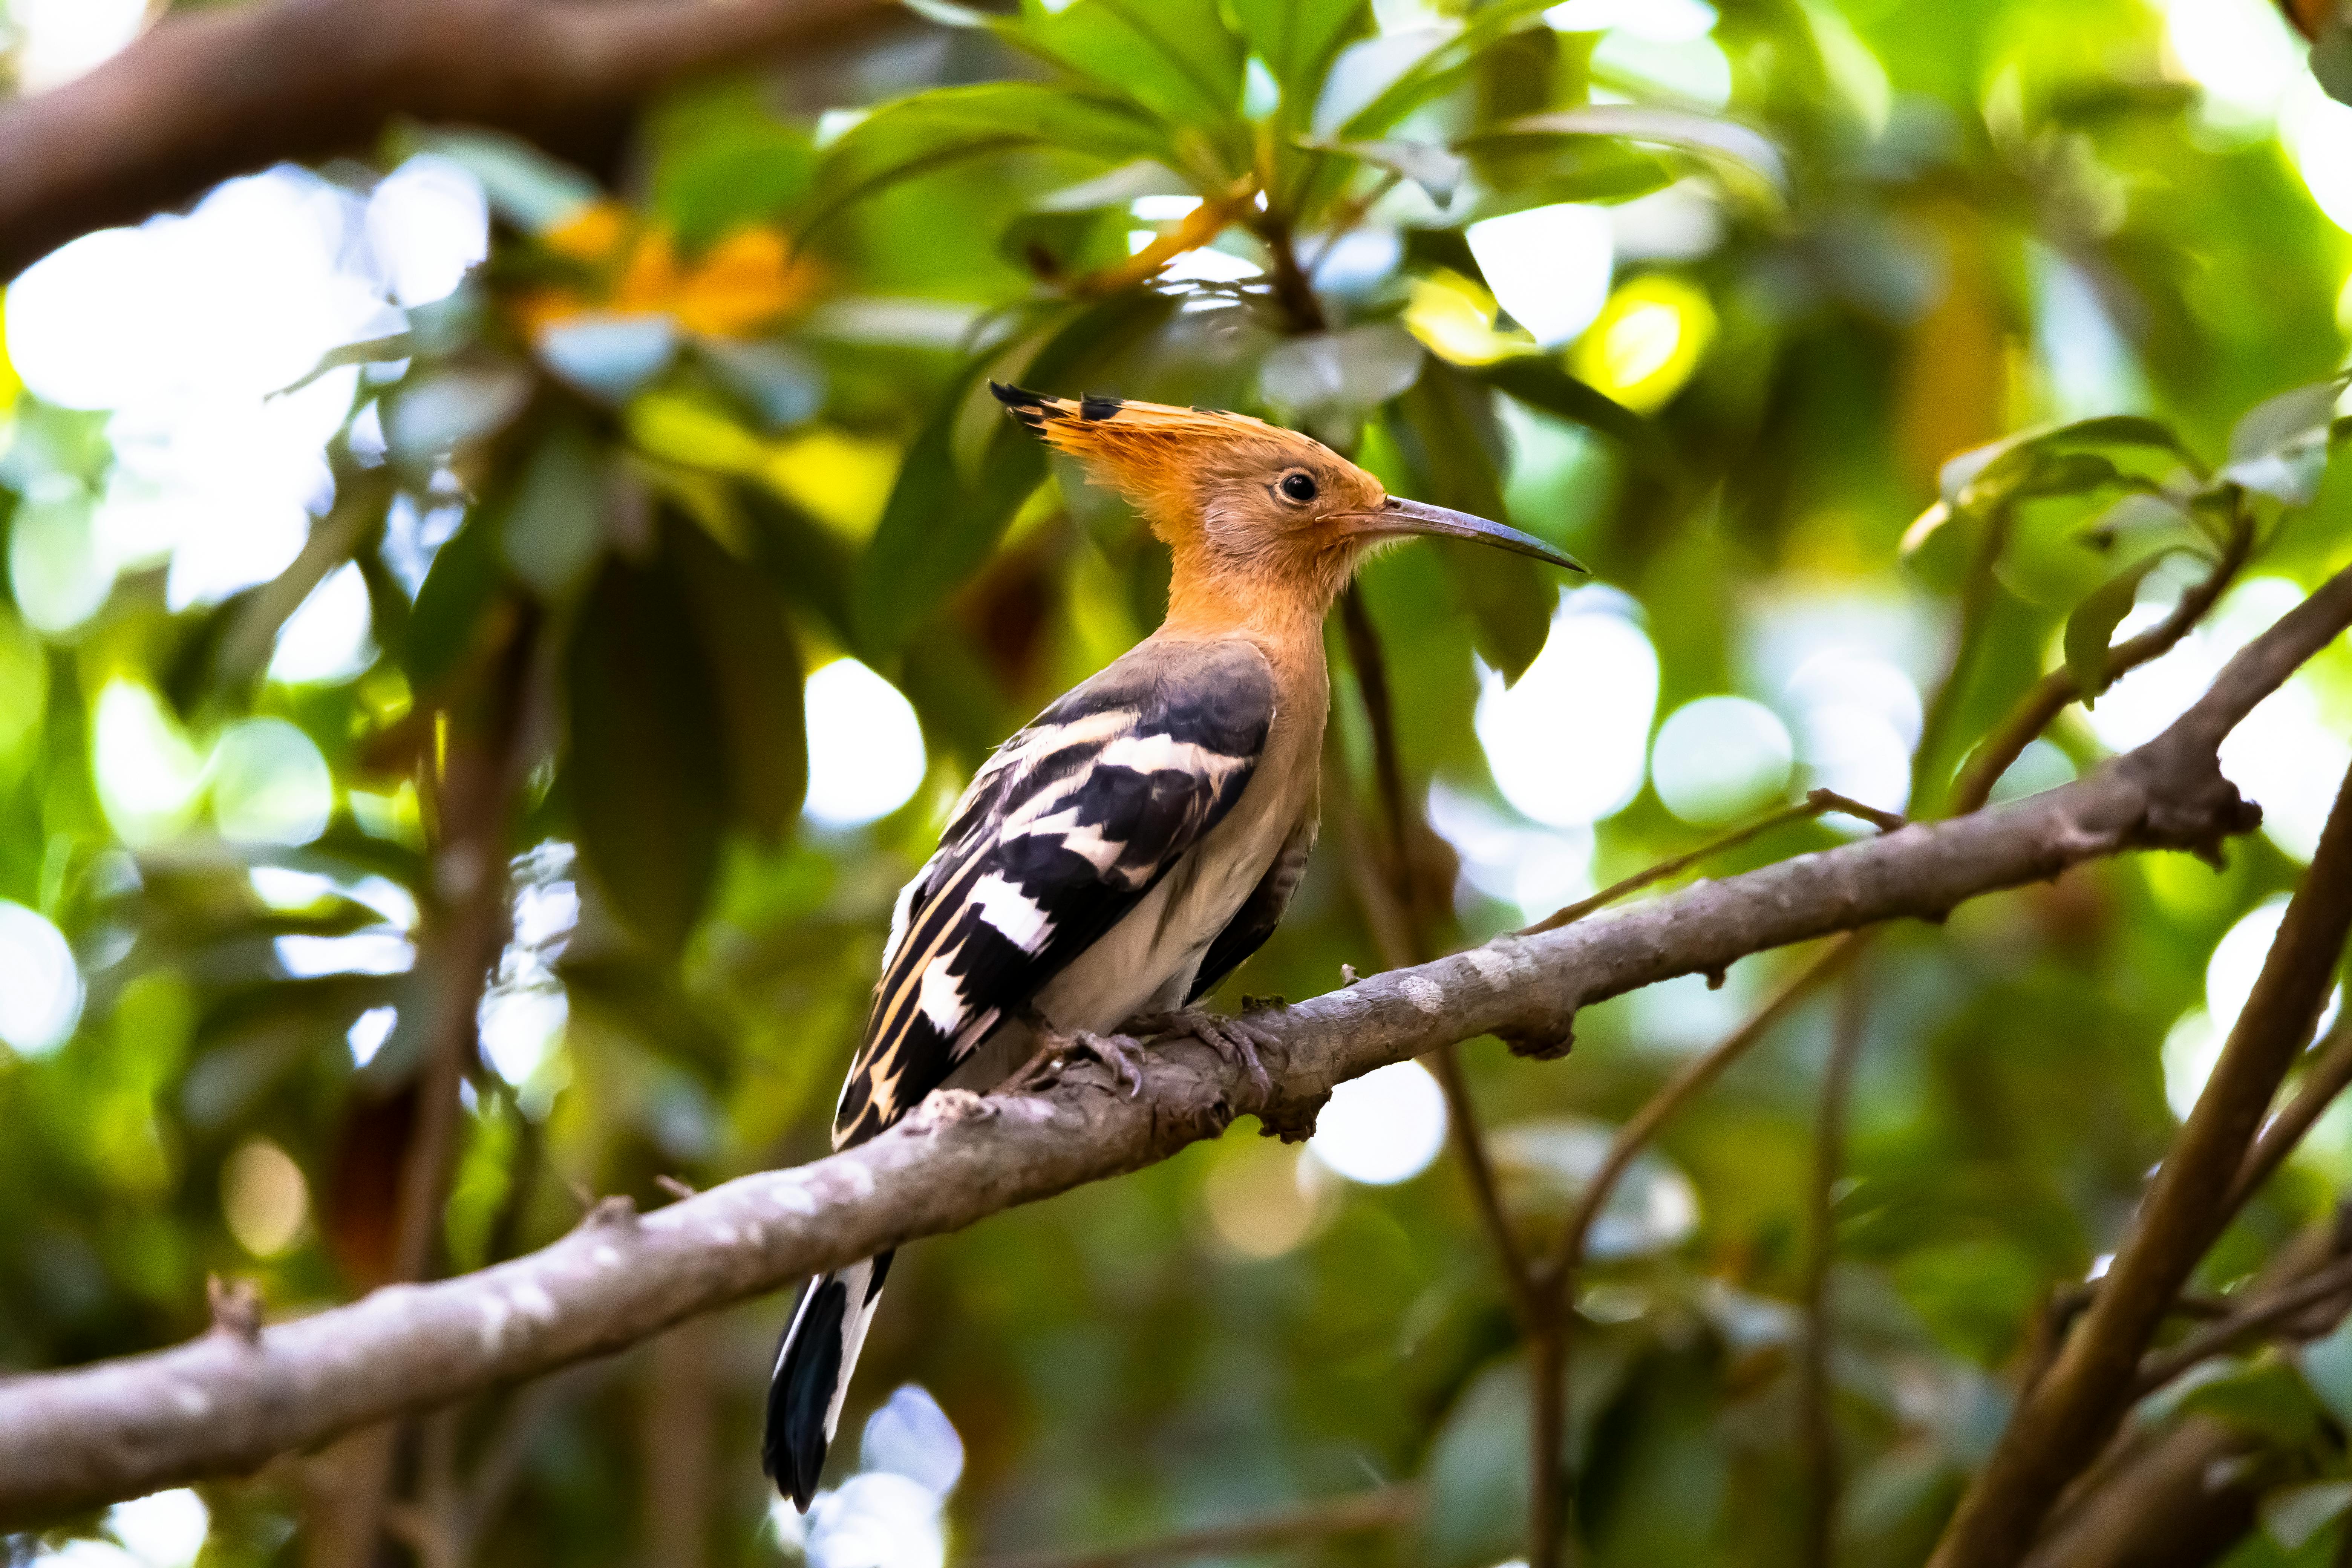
column 1401, row 517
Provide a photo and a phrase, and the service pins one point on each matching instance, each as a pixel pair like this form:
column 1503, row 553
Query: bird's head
column 1252, row 513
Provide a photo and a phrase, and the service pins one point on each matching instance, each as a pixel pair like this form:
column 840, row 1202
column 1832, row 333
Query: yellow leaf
column 841, row 480
column 649, row 283
column 594, row 234
column 748, row 279
column 680, row 430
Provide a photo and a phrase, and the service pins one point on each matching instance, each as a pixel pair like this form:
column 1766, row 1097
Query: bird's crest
column 1156, row 454
column 1093, row 424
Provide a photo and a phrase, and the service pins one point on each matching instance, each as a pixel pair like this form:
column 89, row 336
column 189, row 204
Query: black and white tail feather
column 1064, row 831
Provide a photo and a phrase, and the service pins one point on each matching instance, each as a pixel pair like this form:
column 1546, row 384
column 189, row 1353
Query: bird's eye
column 1299, row 487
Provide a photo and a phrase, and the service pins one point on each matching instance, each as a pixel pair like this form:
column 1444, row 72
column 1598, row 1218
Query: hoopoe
column 1123, row 853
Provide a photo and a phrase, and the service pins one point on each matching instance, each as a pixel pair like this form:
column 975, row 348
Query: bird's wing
column 1261, row 911
column 1063, row 832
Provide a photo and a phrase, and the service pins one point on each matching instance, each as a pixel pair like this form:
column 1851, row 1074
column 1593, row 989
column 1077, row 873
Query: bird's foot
column 1235, row 1039
column 1123, row 1053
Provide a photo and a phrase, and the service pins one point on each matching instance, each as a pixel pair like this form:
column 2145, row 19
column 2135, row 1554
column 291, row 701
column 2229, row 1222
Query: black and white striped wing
column 1063, row 832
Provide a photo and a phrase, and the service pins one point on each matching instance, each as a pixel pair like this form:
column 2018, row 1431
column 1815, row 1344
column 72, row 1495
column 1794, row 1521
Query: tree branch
column 2071, row 1412
column 218, row 1406
column 219, row 92
column 2330, row 1071
column 2049, row 696
column 2255, row 1319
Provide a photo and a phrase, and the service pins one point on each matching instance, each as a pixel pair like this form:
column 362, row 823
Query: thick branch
column 2071, row 1412
column 221, row 1405
column 221, row 93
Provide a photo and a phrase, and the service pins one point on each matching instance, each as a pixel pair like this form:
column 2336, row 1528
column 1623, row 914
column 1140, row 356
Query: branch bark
column 220, row 92
column 221, row 1405
column 2071, row 1413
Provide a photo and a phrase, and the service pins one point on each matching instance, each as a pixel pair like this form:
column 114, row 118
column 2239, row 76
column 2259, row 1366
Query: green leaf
column 1445, row 426
column 1477, row 1473
column 1719, row 141
column 1433, row 169
column 2035, row 462
column 2094, row 622
column 644, row 766
column 2326, row 1366
column 2293, row 1515
column 1175, row 57
column 931, row 131
column 457, row 593
column 755, row 669
column 2280, row 448
column 2129, row 430
column 936, row 529
column 552, row 531
column 807, row 561
column 721, row 160
column 1142, row 177
column 1377, row 81
column 2331, row 56
column 1298, row 38
column 1537, row 380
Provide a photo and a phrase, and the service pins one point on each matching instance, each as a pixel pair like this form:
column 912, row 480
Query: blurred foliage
column 722, row 420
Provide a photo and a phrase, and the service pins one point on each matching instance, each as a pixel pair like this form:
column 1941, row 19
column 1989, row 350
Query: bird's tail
column 814, row 1361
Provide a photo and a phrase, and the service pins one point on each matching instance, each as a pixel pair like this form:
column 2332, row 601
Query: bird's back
column 1090, row 862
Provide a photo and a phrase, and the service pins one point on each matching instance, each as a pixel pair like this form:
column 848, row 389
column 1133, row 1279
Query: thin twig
column 1817, row 802
column 475, row 803
column 2254, row 1319
column 1694, row 1075
column 1354, row 1514
column 1816, row 1425
column 2049, row 696
column 2323, row 1080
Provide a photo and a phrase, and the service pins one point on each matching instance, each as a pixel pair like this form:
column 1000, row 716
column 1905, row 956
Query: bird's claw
column 1118, row 1052
column 1235, row 1039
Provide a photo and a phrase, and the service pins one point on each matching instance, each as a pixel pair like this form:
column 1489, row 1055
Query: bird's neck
column 1285, row 612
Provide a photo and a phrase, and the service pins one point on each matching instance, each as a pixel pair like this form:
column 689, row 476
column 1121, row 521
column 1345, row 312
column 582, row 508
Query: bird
column 1123, row 852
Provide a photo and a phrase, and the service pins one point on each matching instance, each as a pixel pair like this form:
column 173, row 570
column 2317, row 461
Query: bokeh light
column 1547, row 265
column 1382, row 1128
column 161, row 1530
column 1718, row 758
column 1261, row 1199
column 368, row 1033
column 1546, row 1164
column 41, row 986
column 887, row 1515
column 269, row 784
column 865, row 744
column 1647, row 340
column 264, row 1198
column 1569, row 744
column 192, row 333
column 57, row 40
column 327, row 639
column 147, row 771
column 1537, row 869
